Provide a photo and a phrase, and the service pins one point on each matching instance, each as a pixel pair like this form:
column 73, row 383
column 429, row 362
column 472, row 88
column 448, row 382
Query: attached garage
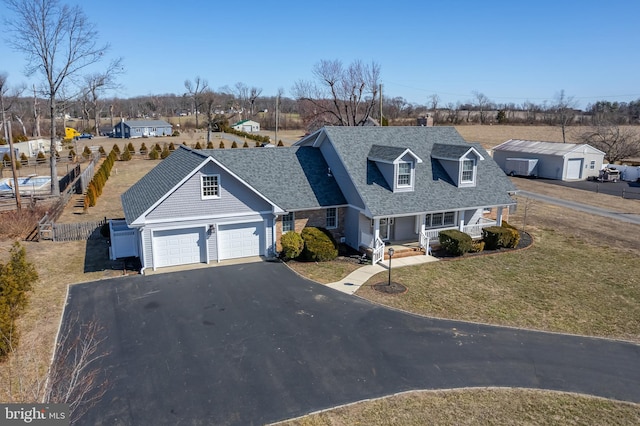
column 555, row 160
column 179, row 247
column 240, row 240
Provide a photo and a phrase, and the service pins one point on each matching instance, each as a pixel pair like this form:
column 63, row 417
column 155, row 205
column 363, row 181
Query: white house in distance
column 248, row 126
column 551, row 160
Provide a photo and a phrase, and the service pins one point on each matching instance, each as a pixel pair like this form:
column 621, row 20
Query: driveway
column 255, row 343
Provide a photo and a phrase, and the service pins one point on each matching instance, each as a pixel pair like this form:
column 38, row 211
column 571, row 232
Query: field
column 604, row 300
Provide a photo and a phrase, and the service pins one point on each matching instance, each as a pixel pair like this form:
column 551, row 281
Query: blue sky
column 511, row 51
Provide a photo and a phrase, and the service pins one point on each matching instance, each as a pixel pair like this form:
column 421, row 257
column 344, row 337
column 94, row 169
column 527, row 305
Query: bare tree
column 434, row 100
column 341, row 96
column 617, row 143
column 254, row 92
column 75, row 376
column 58, row 41
column 7, row 134
column 195, row 89
column 565, row 111
column 483, row 103
column 95, row 86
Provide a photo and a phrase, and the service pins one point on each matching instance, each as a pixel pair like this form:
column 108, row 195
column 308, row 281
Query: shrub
column 21, row 138
column 126, row 156
column 258, row 144
column 157, row 147
column 172, row 147
column 515, row 235
column 6, row 159
column 495, row 237
column 102, row 151
column 209, row 145
column 234, row 144
column 154, row 155
column 221, row 145
column 86, row 153
column 280, row 143
column 16, row 280
column 198, row 146
column 175, row 133
column 165, row 152
column 246, row 145
column 72, row 155
column 40, row 158
column 319, row 245
column 131, row 149
column 143, row 149
column 477, row 246
column 24, row 159
column 116, row 148
column 455, row 242
column 292, row 245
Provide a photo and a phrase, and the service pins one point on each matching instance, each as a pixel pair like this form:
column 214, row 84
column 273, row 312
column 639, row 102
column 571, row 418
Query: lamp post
column 390, row 256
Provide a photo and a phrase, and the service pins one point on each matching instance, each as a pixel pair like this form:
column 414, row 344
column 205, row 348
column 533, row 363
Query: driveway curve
column 254, row 343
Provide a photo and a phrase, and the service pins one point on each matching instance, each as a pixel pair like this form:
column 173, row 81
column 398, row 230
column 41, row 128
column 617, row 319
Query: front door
column 385, row 228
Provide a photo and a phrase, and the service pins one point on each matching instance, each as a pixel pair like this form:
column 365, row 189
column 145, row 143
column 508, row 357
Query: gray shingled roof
column 385, row 153
column 434, row 190
column 448, row 151
column 160, row 180
column 292, row 178
column 145, row 123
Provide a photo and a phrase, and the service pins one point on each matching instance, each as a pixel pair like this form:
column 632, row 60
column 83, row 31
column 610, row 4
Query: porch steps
column 404, row 252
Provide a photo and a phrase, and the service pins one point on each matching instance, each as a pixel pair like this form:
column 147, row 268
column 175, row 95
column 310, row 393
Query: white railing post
column 378, row 251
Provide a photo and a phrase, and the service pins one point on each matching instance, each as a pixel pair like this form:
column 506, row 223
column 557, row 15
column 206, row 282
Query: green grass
column 559, row 284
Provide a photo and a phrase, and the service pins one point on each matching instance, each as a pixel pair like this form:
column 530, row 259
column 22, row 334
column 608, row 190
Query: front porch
column 416, row 238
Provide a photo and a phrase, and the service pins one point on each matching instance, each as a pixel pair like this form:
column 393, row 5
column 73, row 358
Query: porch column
column 420, row 223
column 376, row 229
column 499, row 215
column 461, row 227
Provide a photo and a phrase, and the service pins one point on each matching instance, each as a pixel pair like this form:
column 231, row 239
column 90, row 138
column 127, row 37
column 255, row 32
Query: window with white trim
column 404, row 174
column 592, row 165
column 332, row 218
column 210, row 185
column 435, row 220
column 467, row 170
column 288, row 221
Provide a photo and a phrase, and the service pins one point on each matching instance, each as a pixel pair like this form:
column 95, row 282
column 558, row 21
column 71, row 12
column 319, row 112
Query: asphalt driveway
column 254, row 343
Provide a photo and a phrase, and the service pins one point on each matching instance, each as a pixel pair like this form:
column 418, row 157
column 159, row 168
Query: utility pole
column 277, row 106
column 381, row 104
column 12, row 154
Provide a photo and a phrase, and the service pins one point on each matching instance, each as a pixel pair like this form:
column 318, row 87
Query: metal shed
column 556, row 160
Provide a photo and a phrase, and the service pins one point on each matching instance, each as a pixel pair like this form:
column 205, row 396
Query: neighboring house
column 142, row 128
column 31, row 148
column 367, row 185
column 247, row 126
column 554, row 160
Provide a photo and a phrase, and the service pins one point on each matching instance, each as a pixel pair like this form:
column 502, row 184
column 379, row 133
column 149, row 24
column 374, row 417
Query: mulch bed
column 525, row 241
column 394, row 288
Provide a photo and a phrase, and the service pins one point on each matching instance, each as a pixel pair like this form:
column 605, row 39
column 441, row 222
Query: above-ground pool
column 27, row 185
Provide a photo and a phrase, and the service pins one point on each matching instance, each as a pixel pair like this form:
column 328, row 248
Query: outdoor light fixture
column 390, row 256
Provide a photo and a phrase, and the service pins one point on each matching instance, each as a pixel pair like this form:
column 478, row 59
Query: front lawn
column 559, row 284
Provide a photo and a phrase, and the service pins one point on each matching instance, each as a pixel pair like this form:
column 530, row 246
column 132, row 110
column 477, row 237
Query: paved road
column 630, row 217
column 254, row 343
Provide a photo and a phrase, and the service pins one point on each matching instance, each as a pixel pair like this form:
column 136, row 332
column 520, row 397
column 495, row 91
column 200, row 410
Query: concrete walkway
column 352, row 282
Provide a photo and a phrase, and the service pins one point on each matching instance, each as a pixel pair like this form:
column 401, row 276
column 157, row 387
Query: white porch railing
column 474, row 230
column 424, row 242
column 378, row 252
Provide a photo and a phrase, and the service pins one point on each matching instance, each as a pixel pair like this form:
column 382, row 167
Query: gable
column 434, row 190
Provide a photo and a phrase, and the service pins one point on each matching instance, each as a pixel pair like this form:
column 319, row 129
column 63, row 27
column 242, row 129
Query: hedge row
column 458, row 243
column 94, row 190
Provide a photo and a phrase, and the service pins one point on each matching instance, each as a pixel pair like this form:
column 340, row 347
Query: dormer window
column 404, row 174
column 467, row 171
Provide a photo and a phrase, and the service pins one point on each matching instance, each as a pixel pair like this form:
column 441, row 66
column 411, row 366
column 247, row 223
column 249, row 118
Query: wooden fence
column 77, row 231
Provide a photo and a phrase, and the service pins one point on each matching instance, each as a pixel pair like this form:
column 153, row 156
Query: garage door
column 574, row 168
column 178, row 246
column 240, row 240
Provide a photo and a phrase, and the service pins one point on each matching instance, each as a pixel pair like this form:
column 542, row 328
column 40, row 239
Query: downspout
column 141, row 250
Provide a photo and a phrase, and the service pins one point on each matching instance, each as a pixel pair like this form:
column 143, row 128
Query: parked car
column 86, row 136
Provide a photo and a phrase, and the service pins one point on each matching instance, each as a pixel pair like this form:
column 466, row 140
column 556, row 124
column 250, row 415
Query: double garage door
column 185, row 246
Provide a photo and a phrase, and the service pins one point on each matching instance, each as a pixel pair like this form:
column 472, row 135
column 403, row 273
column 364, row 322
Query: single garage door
column 178, row 246
column 574, row 168
column 240, row 240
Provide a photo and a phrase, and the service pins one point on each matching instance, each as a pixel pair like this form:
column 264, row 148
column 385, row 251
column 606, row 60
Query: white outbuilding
column 555, row 160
